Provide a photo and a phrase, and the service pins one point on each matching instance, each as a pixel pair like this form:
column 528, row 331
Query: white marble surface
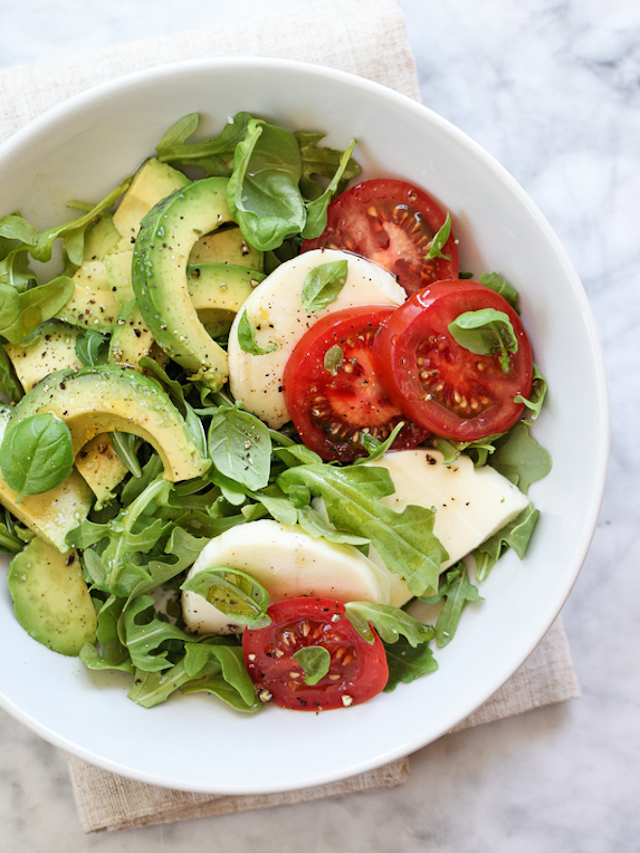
column 552, row 89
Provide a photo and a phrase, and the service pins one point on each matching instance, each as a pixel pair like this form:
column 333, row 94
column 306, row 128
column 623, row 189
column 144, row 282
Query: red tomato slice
column 440, row 384
column 332, row 409
column 357, row 672
column 393, row 223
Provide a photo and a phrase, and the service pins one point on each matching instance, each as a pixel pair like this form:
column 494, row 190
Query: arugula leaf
column 517, row 535
column 233, row 592
column 9, row 382
column 405, row 541
column 92, row 348
column 247, row 338
column 390, row 623
column 520, row 458
column 538, row 394
column 215, row 155
column 407, row 663
column 146, row 632
column 36, row 454
column 323, row 283
column 317, row 207
column 455, row 591
column 22, row 312
column 315, row 662
column 486, row 332
column 439, row 240
column 263, row 193
column 323, row 162
column 240, row 447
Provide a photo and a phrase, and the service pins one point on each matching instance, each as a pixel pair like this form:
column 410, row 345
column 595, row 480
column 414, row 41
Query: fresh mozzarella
column 471, row 504
column 288, row 563
column 276, row 313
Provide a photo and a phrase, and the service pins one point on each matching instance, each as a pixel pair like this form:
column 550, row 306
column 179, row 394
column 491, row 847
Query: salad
column 257, row 424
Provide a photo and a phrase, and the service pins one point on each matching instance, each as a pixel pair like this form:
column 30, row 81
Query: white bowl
column 83, row 148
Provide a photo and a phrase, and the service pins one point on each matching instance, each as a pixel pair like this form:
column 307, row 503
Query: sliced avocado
column 152, row 182
column 100, row 238
column 55, row 349
column 91, row 308
column 91, row 275
column 100, row 466
column 131, row 338
column 226, row 246
column 160, row 255
column 118, row 271
column 114, row 398
column 218, row 290
column 52, row 514
column 51, row 599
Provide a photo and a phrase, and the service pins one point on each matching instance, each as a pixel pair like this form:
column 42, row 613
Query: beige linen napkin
column 364, row 37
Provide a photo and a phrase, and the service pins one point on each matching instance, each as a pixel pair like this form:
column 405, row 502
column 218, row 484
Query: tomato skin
column 391, row 222
column 440, row 384
column 332, row 411
column 358, row 670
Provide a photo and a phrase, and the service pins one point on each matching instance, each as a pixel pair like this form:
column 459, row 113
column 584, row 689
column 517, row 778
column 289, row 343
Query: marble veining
column 551, row 88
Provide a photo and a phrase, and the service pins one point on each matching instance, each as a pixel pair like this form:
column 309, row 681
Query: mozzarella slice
column 276, row 312
column 471, row 503
column 288, row 563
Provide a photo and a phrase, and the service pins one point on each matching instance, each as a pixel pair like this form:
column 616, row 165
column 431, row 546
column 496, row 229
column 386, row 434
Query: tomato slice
column 440, row 384
column 333, row 402
column 393, row 223
column 357, row 671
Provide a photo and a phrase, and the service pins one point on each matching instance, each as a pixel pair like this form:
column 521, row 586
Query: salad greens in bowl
column 296, row 389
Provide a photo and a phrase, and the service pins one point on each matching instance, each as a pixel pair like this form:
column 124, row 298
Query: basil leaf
column 314, row 661
column 234, row 593
column 240, row 447
column 439, row 240
column 263, row 193
column 247, row 338
column 390, row 623
column 502, row 288
column 485, row 332
column 322, row 284
column 36, row 454
column 520, row 458
column 334, row 359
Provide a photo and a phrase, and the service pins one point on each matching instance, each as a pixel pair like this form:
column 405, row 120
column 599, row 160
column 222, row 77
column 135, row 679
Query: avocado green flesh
column 114, row 398
column 52, row 514
column 159, row 271
column 50, row 598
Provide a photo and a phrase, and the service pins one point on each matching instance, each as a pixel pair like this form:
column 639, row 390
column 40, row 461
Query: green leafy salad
column 257, row 424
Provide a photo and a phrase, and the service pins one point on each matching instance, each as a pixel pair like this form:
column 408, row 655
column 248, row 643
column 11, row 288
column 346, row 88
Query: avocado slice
column 152, row 182
column 91, row 308
column 226, row 246
column 218, row 290
column 99, row 464
column 159, row 271
column 52, row 514
column 112, row 398
column 54, row 349
column 100, row 238
column 51, row 599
